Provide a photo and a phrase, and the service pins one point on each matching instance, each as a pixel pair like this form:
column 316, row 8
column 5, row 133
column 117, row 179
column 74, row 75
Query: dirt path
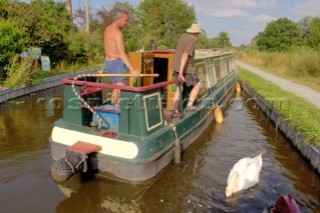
column 300, row 90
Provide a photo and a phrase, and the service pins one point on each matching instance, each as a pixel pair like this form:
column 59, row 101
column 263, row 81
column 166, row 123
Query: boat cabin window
column 217, row 67
column 223, row 68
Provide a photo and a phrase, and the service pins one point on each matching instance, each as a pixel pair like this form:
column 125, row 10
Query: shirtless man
column 116, row 59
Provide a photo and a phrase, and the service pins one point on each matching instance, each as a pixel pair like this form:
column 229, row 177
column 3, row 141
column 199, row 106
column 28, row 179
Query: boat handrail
column 125, row 88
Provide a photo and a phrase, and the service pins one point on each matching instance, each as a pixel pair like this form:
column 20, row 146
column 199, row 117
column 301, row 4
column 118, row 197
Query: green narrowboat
column 137, row 140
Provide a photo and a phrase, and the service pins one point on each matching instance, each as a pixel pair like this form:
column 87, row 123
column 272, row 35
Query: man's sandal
column 176, row 115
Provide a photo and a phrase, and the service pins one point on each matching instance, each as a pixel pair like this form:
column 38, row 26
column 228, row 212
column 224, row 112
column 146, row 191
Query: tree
column 152, row 18
column 12, row 42
column 131, row 34
column 303, row 25
column 164, row 20
column 3, row 5
column 69, row 7
column 47, row 24
column 312, row 38
column 214, row 42
column 178, row 17
column 279, row 36
column 224, row 40
column 203, row 42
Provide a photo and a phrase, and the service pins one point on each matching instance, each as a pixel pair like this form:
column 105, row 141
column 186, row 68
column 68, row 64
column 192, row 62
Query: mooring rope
column 100, row 119
column 82, row 160
column 76, row 167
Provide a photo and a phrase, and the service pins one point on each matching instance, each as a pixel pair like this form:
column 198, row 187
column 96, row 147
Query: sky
column 241, row 19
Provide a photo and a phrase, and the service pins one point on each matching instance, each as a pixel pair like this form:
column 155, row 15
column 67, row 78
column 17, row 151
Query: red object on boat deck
column 109, row 134
column 84, row 148
column 285, row 204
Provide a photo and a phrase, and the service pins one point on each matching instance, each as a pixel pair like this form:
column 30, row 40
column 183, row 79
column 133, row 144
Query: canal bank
column 311, row 153
column 8, row 94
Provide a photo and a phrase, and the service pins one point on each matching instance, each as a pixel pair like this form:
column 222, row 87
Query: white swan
column 244, row 174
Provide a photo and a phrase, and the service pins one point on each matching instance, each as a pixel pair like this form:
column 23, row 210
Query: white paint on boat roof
column 205, row 53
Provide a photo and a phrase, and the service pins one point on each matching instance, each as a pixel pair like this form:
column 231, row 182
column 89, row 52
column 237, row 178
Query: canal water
column 197, row 184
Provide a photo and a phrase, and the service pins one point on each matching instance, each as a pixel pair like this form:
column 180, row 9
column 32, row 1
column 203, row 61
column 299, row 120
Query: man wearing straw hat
column 116, row 59
column 184, row 68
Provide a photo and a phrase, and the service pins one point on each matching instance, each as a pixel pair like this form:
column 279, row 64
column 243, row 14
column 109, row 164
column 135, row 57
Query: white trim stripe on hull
column 112, row 147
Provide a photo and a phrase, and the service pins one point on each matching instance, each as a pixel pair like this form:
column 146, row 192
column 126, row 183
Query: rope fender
column 177, row 148
column 66, row 167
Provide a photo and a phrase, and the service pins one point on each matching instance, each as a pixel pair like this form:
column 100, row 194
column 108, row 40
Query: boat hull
column 133, row 172
column 127, row 169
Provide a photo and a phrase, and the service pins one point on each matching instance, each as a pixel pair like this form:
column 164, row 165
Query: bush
column 306, row 62
column 12, row 41
column 22, row 72
column 84, row 47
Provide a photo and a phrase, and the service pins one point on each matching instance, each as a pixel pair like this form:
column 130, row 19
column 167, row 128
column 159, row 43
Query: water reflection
column 26, row 122
column 100, row 195
column 287, row 163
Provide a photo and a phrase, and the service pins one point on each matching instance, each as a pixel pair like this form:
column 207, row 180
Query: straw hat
column 195, row 28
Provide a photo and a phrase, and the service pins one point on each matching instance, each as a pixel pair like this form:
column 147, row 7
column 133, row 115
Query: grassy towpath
column 302, row 91
column 299, row 112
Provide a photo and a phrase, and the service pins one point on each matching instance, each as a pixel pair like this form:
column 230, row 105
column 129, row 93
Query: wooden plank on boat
column 84, row 148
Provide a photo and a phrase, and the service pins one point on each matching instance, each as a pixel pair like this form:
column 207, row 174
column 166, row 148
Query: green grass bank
column 302, row 115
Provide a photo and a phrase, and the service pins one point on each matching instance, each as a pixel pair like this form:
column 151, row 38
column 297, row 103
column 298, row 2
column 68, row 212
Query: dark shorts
column 191, row 79
column 115, row 67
